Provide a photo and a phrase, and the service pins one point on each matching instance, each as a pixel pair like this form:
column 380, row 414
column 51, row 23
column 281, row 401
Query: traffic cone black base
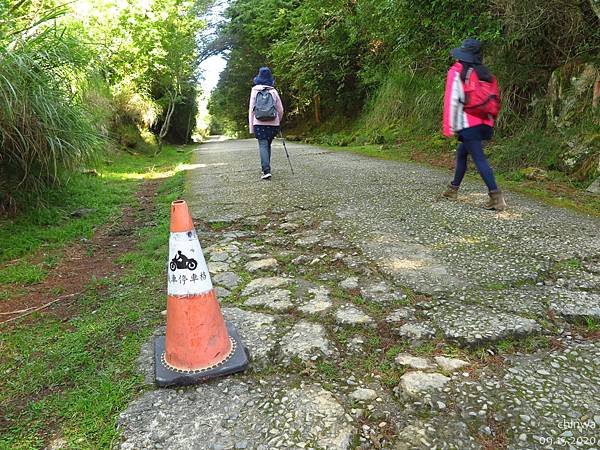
column 165, row 375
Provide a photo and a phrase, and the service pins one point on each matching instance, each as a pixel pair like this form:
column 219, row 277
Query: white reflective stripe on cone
column 187, row 271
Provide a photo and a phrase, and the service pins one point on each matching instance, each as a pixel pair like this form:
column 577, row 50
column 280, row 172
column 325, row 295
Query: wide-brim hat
column 264, row 77
column 469, row 51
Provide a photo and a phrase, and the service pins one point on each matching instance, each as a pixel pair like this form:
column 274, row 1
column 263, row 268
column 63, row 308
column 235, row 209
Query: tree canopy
column 76, row 76
column 331, row 58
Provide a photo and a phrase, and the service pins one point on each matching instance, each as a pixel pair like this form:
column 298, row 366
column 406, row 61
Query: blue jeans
column 472, row 144
column 264, row 147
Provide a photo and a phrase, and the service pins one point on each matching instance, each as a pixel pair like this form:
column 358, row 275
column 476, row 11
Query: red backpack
column 482, row 98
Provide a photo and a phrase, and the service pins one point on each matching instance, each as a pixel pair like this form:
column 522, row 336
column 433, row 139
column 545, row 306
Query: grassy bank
column 69, row 370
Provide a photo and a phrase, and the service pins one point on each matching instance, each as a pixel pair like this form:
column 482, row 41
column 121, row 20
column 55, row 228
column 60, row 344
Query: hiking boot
column 266, row 176
column 451, row 192
column 496, row 200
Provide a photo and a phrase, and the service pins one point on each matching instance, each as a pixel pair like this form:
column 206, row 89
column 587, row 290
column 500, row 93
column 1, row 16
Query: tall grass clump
column 46, row 131
column 407, row 101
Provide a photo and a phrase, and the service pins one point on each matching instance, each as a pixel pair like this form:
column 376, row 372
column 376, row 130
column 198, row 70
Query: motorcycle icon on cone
column 180, row 261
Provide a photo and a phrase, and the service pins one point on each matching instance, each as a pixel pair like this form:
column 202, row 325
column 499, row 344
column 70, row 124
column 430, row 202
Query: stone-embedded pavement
column 380, row 316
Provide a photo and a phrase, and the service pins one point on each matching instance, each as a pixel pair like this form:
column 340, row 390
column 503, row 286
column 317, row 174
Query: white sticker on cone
column 187, row 272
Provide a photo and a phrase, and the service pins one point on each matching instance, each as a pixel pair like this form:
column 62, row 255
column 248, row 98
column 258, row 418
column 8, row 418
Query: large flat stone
column 351, row 315
column 264, row 284
column 228, row 280
column 306, row 340
column 472, row 324
column 414, row 362
column 416, row 383
column 277, row 299
column 450, row 364
column 319, row 303
column 577, row 305
column 261, row 264
column 416, row 331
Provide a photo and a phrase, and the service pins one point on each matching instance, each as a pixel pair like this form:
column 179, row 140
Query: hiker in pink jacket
column 470, row 129
column 264, row 116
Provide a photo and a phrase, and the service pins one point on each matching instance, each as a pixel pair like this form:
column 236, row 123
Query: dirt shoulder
column 83, row 262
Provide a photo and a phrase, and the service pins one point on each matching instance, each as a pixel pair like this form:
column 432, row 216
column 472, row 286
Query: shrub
column 45, row 127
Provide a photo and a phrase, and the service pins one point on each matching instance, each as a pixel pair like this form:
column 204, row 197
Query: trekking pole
column 286, row 152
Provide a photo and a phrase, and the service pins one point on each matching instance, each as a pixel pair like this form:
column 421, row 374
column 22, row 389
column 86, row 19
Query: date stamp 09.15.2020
column 574, row 433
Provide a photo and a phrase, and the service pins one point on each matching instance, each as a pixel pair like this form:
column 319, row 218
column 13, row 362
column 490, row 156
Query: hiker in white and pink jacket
column 470, row 130
column 264, row 116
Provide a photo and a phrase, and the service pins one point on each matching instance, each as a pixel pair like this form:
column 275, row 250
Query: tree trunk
column 166, row 124
column 317, row 103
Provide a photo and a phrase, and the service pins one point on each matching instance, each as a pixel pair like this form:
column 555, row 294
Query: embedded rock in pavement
column 414, row 362
column 335, row 243
column 527, row 300
column 415, row 383
column 308, row 239
column 263, row 284
column 231, row 413
column 319, row 303
column 257, row 331
column 228, row 280
column 471, row 324
column 219, row 257
column 305, row 340
column 400, row 315
column 380, row 292
column 363, row 394
column 354, row 262
column 356, row 343
column 224, row 247
column 578, row 280
column 349, row 283
column 277, row 299
column 577, row 305
column 289, row 226
column 450, row 364
column 217, row 267
column 256, row 255
column 440, row 431
column 350, row 315
column 328, row 425
column 416, row 331
column 222, row 292
column 261, row 264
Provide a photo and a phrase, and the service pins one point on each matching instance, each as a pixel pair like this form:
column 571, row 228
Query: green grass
column 567, row 265
column 528, row 344
column 592, row 325
column 52, row 227
column 22, row 274
column 218, row 226
column 69, row 379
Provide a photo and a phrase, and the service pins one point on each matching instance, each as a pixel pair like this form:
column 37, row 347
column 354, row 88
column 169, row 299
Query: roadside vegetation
column 70, row 368
column 354, row 74
column 80, row 81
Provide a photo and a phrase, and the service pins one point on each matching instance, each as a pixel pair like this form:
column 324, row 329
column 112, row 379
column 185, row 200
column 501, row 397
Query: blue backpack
column 264, row 108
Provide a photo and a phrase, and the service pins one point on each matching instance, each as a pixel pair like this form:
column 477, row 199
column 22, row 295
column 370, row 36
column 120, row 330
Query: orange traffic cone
column 199, row 344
